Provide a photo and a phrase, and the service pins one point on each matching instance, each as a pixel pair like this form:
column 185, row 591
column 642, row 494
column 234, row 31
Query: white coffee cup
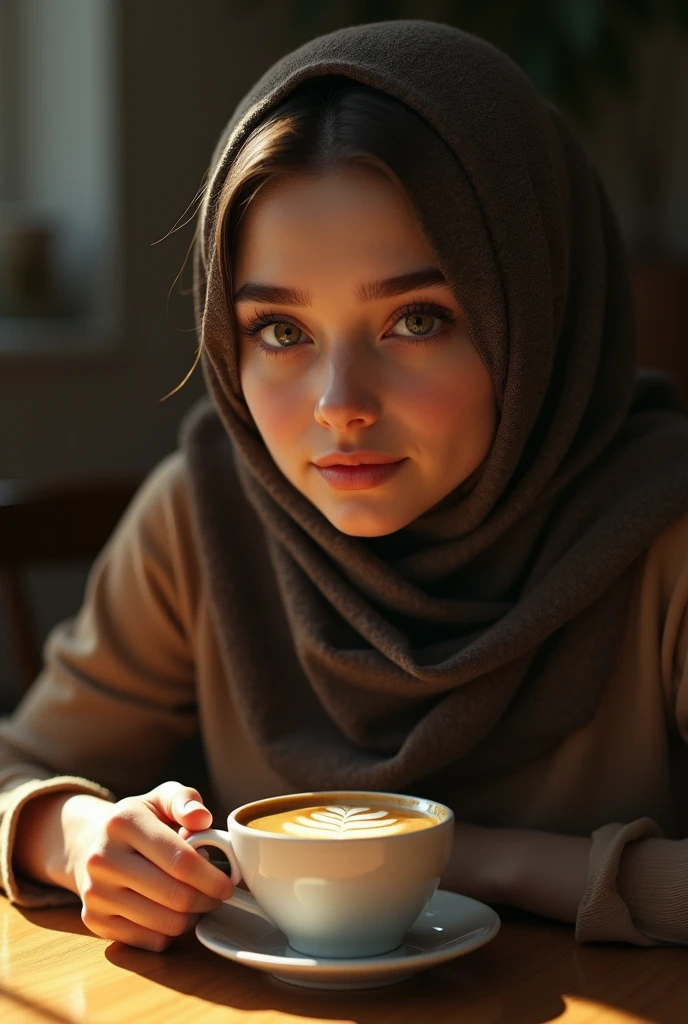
column 337, row 897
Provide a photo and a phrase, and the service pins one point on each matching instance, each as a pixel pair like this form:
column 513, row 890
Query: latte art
column 343, row 821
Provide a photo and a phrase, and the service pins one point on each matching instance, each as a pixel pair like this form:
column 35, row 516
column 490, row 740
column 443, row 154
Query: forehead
column 343, row 222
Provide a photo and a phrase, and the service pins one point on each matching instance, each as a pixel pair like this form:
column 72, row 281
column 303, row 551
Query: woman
column 402, row 256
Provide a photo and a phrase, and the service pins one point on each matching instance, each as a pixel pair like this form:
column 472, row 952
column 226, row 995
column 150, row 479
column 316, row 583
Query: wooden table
column 53, row 969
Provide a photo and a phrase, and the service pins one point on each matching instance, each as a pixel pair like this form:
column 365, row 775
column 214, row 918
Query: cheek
column 278, row 408
column 450, row 400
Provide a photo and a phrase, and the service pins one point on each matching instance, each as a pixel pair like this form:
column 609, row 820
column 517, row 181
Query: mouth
column 351, row 458
column 359, row 477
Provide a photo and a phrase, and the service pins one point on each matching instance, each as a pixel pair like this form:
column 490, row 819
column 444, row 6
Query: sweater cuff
column 603, row 913
column 20, row 890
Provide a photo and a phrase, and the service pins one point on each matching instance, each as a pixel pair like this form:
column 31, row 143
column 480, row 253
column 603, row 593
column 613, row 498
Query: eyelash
column 427, row 308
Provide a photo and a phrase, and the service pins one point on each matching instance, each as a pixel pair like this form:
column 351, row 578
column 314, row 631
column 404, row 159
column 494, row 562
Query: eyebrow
column 366, row 292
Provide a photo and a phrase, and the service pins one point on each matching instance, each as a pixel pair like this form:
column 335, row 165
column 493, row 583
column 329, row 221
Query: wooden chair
column 69, row 521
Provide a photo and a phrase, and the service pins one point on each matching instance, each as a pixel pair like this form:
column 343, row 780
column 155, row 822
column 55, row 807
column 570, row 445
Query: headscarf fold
column 475, row 639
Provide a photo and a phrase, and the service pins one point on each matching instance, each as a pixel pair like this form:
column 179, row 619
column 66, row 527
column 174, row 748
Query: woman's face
column 348, row 365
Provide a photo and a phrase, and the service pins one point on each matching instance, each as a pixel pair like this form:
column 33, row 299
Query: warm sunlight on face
column 345, row 368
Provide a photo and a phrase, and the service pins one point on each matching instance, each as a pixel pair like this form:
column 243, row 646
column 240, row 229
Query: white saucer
column 450, row 926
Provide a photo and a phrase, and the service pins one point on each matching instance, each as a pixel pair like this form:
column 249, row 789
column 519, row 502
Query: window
column 59, row 190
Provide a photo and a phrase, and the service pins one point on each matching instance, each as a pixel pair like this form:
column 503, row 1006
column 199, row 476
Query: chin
column 360, row 524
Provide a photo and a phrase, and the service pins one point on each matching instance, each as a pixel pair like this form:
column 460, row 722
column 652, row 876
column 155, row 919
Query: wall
column 182, row 68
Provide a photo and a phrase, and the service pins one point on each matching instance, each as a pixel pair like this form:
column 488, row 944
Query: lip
column 355, row 478
column 363, row 457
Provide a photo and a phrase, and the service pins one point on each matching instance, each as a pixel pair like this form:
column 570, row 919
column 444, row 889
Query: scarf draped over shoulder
column 475, row 639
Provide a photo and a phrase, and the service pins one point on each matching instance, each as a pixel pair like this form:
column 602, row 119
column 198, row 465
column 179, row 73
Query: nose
column 346, row 400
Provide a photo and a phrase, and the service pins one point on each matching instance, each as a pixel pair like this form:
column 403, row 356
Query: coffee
column 336, row 900
column 343, row 821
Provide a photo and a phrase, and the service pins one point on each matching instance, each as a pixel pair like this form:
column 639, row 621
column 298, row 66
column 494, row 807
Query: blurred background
column 109, row 112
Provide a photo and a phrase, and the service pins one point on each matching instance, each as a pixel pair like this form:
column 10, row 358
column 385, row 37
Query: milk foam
column 343, row 822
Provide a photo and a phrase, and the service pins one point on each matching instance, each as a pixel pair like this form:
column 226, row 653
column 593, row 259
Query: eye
column 417, row 324
column 285, row 336
column 418, row 317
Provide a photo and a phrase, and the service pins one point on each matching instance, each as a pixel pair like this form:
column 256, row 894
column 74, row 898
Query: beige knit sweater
column 137, row 673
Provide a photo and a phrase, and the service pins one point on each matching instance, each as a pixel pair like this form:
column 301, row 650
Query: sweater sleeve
column 637, row 888
column 116, row 694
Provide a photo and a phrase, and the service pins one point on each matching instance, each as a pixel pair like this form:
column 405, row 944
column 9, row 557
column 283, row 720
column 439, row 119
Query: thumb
column 182, row 804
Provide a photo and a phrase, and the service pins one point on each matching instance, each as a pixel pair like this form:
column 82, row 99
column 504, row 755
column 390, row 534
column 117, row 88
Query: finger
column 185, row 833
column 120, row 929
column 130, row 870
column 181, row 804
column 140, row 829
column 115, row 901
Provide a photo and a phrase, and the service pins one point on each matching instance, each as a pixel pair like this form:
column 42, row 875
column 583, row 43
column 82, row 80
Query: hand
column 139, row 881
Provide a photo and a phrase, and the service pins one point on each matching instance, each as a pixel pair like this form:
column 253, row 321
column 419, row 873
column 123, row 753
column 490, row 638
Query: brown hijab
column 476, row 638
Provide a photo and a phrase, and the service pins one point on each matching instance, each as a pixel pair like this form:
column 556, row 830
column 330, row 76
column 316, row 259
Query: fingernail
column 193, row 805
column 204, row 853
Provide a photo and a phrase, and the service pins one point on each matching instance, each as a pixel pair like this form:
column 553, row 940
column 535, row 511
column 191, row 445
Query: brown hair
column 326, row 123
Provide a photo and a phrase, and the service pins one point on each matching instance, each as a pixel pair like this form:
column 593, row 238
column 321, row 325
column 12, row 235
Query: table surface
column 53, row 969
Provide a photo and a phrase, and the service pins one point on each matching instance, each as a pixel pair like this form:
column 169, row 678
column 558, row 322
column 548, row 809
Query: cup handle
column 239, row 898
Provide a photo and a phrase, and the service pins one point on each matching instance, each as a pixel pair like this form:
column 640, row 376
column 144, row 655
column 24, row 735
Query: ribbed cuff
column 603, row 913
column 20, row 890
